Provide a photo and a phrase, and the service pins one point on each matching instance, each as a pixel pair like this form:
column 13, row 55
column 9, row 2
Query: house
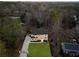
column 41, row 37
column 70, row 49
column 39, row 34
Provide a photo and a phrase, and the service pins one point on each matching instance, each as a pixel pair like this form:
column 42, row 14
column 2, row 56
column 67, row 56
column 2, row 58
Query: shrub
column 45, row 41
column 36, row 41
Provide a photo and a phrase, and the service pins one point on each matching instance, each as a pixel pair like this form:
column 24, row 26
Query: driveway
column 24, row 50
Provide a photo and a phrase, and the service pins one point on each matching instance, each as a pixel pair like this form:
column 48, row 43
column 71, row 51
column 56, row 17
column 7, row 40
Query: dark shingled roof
column 70, row 47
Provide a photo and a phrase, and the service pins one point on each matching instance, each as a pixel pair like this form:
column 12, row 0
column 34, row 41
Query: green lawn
column 39, row 50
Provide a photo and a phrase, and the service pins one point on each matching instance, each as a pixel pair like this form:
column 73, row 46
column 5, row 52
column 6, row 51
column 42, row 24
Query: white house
column 41, row 37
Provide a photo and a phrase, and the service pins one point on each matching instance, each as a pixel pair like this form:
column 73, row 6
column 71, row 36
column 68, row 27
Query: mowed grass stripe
column 39, row 50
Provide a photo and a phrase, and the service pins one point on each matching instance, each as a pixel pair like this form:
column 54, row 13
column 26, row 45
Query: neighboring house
column 40, row 37
column 70, row 49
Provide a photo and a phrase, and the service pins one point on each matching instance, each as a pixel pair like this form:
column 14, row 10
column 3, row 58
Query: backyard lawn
column 39, row 50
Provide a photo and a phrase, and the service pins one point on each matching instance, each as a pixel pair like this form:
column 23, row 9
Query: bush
column 45, row 41
column 36, row 41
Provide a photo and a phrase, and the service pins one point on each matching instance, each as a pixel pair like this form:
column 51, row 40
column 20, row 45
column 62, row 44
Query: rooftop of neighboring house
column 71, row 47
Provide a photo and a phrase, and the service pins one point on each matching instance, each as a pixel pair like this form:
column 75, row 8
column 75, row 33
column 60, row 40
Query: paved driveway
column 24, row 50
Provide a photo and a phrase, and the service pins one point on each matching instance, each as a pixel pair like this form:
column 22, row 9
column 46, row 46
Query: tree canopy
column 9, row 30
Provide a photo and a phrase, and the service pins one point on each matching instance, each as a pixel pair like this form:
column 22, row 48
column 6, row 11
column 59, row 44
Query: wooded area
column 59, row 19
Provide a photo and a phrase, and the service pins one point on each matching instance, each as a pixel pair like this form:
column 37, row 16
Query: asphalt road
column 24, row 50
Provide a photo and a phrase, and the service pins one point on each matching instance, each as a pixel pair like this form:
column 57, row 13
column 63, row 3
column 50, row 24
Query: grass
column 39, row 50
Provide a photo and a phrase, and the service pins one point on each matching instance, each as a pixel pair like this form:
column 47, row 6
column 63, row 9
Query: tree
column 9, row 30
column 55, row 31
column 69, row 21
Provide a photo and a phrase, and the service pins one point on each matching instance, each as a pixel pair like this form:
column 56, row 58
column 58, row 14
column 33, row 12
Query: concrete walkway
column 24, row 50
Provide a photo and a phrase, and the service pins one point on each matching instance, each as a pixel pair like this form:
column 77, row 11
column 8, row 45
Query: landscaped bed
column 39, row 50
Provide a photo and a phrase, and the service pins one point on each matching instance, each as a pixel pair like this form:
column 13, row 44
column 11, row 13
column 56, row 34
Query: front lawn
column 39, row 50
